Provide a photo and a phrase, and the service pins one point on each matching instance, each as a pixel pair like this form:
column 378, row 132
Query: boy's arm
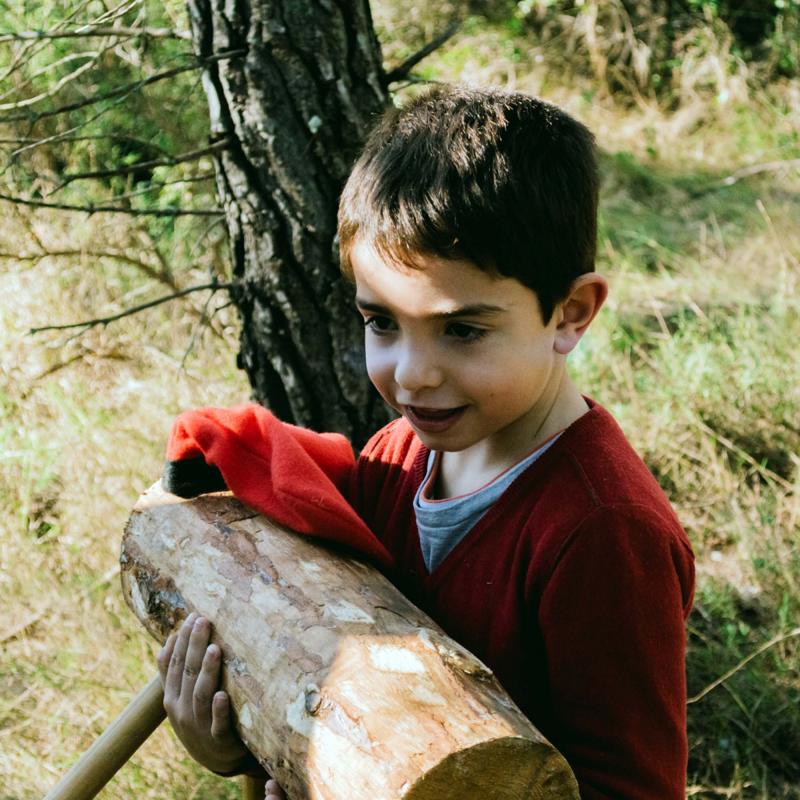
column 612, row 616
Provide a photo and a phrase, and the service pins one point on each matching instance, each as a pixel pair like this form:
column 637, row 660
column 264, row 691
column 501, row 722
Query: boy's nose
column 416, row 370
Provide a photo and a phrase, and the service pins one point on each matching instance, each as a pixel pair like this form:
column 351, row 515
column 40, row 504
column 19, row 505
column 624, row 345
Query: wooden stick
column 115, row 746
column 253, row 788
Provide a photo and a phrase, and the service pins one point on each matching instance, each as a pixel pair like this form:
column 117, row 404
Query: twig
column 22, row 627
column 401, row 72
column 143, row 166
column 135, row 212
column 755, row 169
column 120, row 90
column 743, row 454
column 203, row 235
column 146, row 268
column 64, row 135
column 147, row 33
column 782, row 637
column 112, row 137
column 196, row 329
column 91, row 323
column 59, row 365
column 153, row 186
column 29, row 49
column 53, row 88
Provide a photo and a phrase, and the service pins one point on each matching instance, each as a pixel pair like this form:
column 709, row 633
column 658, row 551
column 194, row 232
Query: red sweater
column 574, row 588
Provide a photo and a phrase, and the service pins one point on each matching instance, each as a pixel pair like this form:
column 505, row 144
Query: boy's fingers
column 193, row 661
column 175, row 671
column 220, row 716
column 274, row 791
column 207, row 682
column 163, row 658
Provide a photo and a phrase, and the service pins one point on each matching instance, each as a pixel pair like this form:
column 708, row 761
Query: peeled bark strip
column 342, row 687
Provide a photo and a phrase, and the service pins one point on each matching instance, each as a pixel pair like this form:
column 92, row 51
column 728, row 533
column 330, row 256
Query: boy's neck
column 465, row 471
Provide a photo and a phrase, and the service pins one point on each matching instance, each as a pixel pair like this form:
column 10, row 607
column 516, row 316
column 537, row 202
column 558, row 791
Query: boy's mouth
column 433, row 420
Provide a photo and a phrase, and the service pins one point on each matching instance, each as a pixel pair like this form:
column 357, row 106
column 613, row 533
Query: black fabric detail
column 191, row 476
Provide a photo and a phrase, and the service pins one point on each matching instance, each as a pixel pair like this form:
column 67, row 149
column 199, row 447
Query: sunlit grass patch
column 83, row 425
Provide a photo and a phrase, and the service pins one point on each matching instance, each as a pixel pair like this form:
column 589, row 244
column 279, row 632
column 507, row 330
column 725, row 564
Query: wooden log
column 342, row 688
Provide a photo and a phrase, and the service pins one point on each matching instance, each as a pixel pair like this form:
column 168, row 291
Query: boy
column 518, row 515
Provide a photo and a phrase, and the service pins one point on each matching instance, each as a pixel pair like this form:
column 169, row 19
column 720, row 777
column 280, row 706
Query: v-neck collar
column 522, row 483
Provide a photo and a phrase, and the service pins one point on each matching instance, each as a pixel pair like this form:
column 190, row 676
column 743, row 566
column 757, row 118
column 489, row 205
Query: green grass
column 696, row 354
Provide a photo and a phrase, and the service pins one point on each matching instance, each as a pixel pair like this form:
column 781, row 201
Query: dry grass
column 82, row 432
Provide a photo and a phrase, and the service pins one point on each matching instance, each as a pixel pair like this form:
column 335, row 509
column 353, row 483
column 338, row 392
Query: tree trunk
column 295, row 98
column 343, row 688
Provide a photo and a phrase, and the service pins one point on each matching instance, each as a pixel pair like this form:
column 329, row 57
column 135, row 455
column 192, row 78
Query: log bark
column 293, row 91
column 342, row 688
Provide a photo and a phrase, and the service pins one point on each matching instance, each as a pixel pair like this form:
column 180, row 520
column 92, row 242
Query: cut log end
column 509, row 768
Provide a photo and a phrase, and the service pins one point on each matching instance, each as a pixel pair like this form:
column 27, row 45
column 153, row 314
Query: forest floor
column 696, row 353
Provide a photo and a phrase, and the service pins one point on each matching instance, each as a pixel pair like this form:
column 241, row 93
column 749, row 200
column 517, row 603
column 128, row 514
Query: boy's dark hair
column 499, row 178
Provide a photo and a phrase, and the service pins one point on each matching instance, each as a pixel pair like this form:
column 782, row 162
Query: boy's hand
column 273, row 791
column 200, row 715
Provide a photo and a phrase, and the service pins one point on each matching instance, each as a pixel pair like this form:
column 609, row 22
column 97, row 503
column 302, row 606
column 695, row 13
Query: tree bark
column 295, row 97
column 343, row 688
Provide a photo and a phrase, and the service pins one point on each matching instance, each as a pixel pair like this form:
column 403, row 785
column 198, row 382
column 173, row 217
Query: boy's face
column 463, row 355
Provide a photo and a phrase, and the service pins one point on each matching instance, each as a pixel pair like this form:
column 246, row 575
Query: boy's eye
column 465, row 332
column 379, row 324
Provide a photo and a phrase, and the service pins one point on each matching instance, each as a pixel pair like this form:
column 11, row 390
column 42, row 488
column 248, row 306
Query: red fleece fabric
column 291, row 474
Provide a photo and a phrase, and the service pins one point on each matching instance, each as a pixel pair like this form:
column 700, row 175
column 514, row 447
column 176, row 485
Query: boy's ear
column 586, row 296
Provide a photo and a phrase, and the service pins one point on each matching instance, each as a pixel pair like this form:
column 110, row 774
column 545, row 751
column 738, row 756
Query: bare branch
column 144, row 33
column 155, row 185
column 401, row 72
column 781, row 637
column 204, row 319
column 146, row 268
column 48, row 67
column 29, row 49
column 65, row 136
column 119, row 91
column 111, row 137
column 755, row 169
column 163, row 275
column 135, row 212
column 91, row 323
column 59, row 84
column 144, row 166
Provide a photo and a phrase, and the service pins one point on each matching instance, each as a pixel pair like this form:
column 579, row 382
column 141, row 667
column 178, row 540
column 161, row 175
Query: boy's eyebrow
column 473, row 310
